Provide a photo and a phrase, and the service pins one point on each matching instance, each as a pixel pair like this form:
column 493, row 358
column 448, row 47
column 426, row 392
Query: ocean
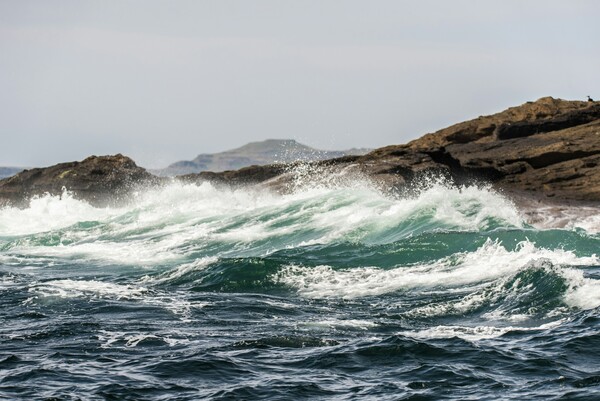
column 333, row 291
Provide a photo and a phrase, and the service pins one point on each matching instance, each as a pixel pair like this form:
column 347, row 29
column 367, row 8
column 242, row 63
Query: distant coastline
column 548, row 149
column 260, row 153
column 9, row 171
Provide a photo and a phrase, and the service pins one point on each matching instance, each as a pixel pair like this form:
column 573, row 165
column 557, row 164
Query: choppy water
column 331, row 292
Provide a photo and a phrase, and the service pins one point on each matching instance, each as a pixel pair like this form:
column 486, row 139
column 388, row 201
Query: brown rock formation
column 99, row 180
column 550, row 147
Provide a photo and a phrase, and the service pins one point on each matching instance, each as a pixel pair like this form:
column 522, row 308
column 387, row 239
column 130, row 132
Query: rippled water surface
column 330, row 292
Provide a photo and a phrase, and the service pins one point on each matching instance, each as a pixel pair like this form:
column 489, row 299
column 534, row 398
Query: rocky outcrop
column 244, row 176
column 101, row 181
column 549, row 149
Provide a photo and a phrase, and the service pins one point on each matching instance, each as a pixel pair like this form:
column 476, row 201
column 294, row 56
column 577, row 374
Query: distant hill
column 9, row 171
column 254, row 153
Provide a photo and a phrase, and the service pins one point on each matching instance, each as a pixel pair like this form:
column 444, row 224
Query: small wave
column 82, row 288
column 502, row 284
column 286, row 342
column 475, row 333
column 112, row 339
column 354, row 324
column 490, row 262
column 182, row 271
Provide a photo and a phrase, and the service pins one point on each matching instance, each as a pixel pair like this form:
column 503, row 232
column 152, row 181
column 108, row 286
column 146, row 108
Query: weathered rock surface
column 101, row 181
column 548, row 149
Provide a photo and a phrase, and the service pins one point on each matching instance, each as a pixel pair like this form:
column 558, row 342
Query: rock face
column 549, row 148
column 101, row 181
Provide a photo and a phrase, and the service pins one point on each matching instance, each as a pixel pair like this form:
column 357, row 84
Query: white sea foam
column 49, row 212
column 85, row 288
column 468, row 207
column 475, row 333
column 567, row 217
column 91, row 289
column 112, row 339
column 359, row 324
column 180, row 270
column 583, row 293
column 135, row 253
column 491, row 263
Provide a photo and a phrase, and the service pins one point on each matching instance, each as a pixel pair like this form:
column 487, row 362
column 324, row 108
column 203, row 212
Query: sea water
column 329, row 291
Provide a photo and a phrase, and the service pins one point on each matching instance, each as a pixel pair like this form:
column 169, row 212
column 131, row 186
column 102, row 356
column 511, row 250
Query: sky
column 162, row 81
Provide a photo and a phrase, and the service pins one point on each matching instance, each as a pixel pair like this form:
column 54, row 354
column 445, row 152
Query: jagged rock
column 244, row 176
column 100, row 180
column 550, row 148
column 483, row 128
column 561, row 121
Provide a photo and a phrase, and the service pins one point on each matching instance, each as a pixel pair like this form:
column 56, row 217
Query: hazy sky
column 162, row 81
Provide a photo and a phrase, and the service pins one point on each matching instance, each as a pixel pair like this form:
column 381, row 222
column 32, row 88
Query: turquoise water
column 328, row 292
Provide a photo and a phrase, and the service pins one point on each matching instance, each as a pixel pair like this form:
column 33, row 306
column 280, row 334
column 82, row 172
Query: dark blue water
column 328, row 293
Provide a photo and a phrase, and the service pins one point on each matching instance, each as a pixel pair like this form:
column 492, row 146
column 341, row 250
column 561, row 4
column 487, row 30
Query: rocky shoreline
column 99, row 180
column 543, row 151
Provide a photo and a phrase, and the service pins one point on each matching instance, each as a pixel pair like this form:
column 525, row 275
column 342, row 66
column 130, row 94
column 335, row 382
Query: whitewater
column 332, row 290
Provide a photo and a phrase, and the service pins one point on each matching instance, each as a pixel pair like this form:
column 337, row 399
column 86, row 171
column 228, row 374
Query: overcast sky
column 163, row 81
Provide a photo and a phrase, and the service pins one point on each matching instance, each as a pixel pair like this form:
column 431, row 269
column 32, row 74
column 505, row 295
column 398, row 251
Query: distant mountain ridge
column 9, row 171
column 254, row 153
